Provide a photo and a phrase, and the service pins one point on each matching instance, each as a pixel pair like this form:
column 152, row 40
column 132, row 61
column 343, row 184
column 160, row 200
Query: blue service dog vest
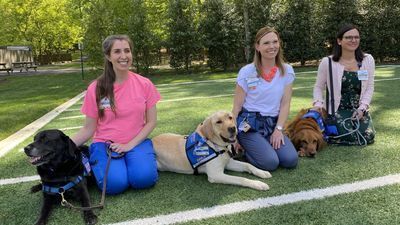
column 318, row 119
column 198, row 151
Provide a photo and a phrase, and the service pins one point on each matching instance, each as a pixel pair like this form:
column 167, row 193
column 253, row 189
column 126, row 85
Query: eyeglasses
column 350, row 38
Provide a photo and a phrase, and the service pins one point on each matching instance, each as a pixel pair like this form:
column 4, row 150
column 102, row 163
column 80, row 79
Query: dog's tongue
column 34, row 159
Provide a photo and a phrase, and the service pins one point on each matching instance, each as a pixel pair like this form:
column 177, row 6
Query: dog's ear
column 206, row 129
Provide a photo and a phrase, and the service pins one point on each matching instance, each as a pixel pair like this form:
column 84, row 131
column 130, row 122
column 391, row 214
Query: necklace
column 270, row 75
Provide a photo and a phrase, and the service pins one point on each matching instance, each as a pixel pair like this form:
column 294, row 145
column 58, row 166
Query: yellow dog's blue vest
column 198, row 151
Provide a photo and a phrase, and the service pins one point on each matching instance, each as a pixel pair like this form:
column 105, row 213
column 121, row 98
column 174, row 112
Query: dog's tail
column 36, row 188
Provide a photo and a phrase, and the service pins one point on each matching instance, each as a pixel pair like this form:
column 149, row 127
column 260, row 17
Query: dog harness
column 198, row 151
column 318, row 119
column 58, row 190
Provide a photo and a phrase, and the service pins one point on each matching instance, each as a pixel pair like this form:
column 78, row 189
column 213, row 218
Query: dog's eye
column 219, row 121
column 230, row 118
column 315, row 141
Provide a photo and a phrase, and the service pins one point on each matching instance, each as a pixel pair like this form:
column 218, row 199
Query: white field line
column 71, row 110
column 71, row 117
column 10, row 142
column 238, row 207
column 18, row 180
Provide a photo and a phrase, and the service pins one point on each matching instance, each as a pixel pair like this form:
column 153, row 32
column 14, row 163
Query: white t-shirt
column 262, row 96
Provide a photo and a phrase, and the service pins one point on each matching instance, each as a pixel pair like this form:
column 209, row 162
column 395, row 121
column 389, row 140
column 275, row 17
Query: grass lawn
column 182, row 108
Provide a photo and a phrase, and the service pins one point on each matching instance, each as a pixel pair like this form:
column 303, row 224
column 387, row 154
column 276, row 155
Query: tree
column 43, row 24
column 296, row 31
column 221, row 34
column 183, row 41
column 380, row 33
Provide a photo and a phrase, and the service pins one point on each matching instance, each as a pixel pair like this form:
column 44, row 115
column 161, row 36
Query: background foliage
column 185, row 33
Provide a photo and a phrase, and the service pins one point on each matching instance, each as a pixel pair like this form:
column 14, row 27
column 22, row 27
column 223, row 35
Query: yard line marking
column 13, row 140
column 71, row 128
column 198, row 97
column 71, row 110
column 18, row 180
column 71, row 117
column 234, row 79
column 244, row 206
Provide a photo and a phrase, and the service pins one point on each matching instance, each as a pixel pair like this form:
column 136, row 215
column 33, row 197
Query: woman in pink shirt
column 120, row 110
column 353, row 85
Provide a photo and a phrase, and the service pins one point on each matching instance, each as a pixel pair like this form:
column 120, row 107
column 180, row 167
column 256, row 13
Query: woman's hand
column 317, row 108
column 358, row 114
column 120, row 148
column 276, row 139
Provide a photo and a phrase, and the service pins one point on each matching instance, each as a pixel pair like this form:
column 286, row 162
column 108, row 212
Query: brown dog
column 220, row 132
column 305, row 134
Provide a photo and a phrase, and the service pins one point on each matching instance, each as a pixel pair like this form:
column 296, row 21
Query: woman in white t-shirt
column 262, row 103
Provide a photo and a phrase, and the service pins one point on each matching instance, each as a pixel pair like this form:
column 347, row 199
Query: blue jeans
column 260, row 153
column 137, row 169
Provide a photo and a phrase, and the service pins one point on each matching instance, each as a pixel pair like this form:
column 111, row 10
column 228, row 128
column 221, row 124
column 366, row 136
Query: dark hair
column 105, row 83
column 279, row 60
column 337, row 49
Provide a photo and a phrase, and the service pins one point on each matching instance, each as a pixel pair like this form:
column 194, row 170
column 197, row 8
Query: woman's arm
column 320, row 84
column 277, row 136
column 151, row 122
column 367, row 95
column 86, row 132
column 238, row 100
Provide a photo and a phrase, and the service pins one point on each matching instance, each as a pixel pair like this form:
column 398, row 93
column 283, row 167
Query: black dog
column 59, row 164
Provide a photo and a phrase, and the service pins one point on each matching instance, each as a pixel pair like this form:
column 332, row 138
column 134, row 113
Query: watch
column 280, row 128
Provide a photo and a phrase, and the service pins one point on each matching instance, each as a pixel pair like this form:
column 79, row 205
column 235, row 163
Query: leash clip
column 63, row 201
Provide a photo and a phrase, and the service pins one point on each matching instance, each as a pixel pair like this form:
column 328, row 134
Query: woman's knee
column 141, row 179
column 289, row 162
column 142, row 166
column 116, row 184
column 268, row 162
column 288, row 156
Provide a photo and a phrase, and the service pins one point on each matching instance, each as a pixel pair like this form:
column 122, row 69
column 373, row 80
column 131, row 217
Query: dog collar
column 62, row 189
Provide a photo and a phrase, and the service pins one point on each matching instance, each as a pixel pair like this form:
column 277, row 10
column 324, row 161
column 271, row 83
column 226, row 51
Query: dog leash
column 65, row 203
column 351, row 130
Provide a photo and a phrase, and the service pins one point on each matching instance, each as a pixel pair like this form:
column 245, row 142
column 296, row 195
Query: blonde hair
column 279, row 60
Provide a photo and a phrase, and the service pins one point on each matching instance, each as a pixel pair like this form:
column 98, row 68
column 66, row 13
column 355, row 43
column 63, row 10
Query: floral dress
column 351, row 89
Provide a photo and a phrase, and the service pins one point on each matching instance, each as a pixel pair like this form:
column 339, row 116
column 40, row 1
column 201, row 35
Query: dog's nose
column 27, row 148
column 312, row 154
column 232, row 130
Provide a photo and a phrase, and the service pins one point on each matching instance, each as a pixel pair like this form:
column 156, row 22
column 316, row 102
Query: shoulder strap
column 331, row 98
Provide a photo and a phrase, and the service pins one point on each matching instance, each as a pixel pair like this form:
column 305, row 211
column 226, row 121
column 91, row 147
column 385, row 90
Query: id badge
column 252, row 82
column 362, row 74
column 244, row 126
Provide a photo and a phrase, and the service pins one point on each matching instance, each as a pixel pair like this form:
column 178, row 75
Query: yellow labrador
column 220, row 132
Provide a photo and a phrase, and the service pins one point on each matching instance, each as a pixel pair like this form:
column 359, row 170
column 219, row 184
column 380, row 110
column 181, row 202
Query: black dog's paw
column 90, row 218
column 36, row 188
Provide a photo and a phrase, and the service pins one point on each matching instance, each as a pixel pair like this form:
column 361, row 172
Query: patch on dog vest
column 197, row 150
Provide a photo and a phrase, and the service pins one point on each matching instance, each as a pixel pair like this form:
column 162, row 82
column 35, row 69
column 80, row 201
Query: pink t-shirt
column 132, row 98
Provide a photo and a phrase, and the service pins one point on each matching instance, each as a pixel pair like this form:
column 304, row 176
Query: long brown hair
column 279, row 60
column 105, row 83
